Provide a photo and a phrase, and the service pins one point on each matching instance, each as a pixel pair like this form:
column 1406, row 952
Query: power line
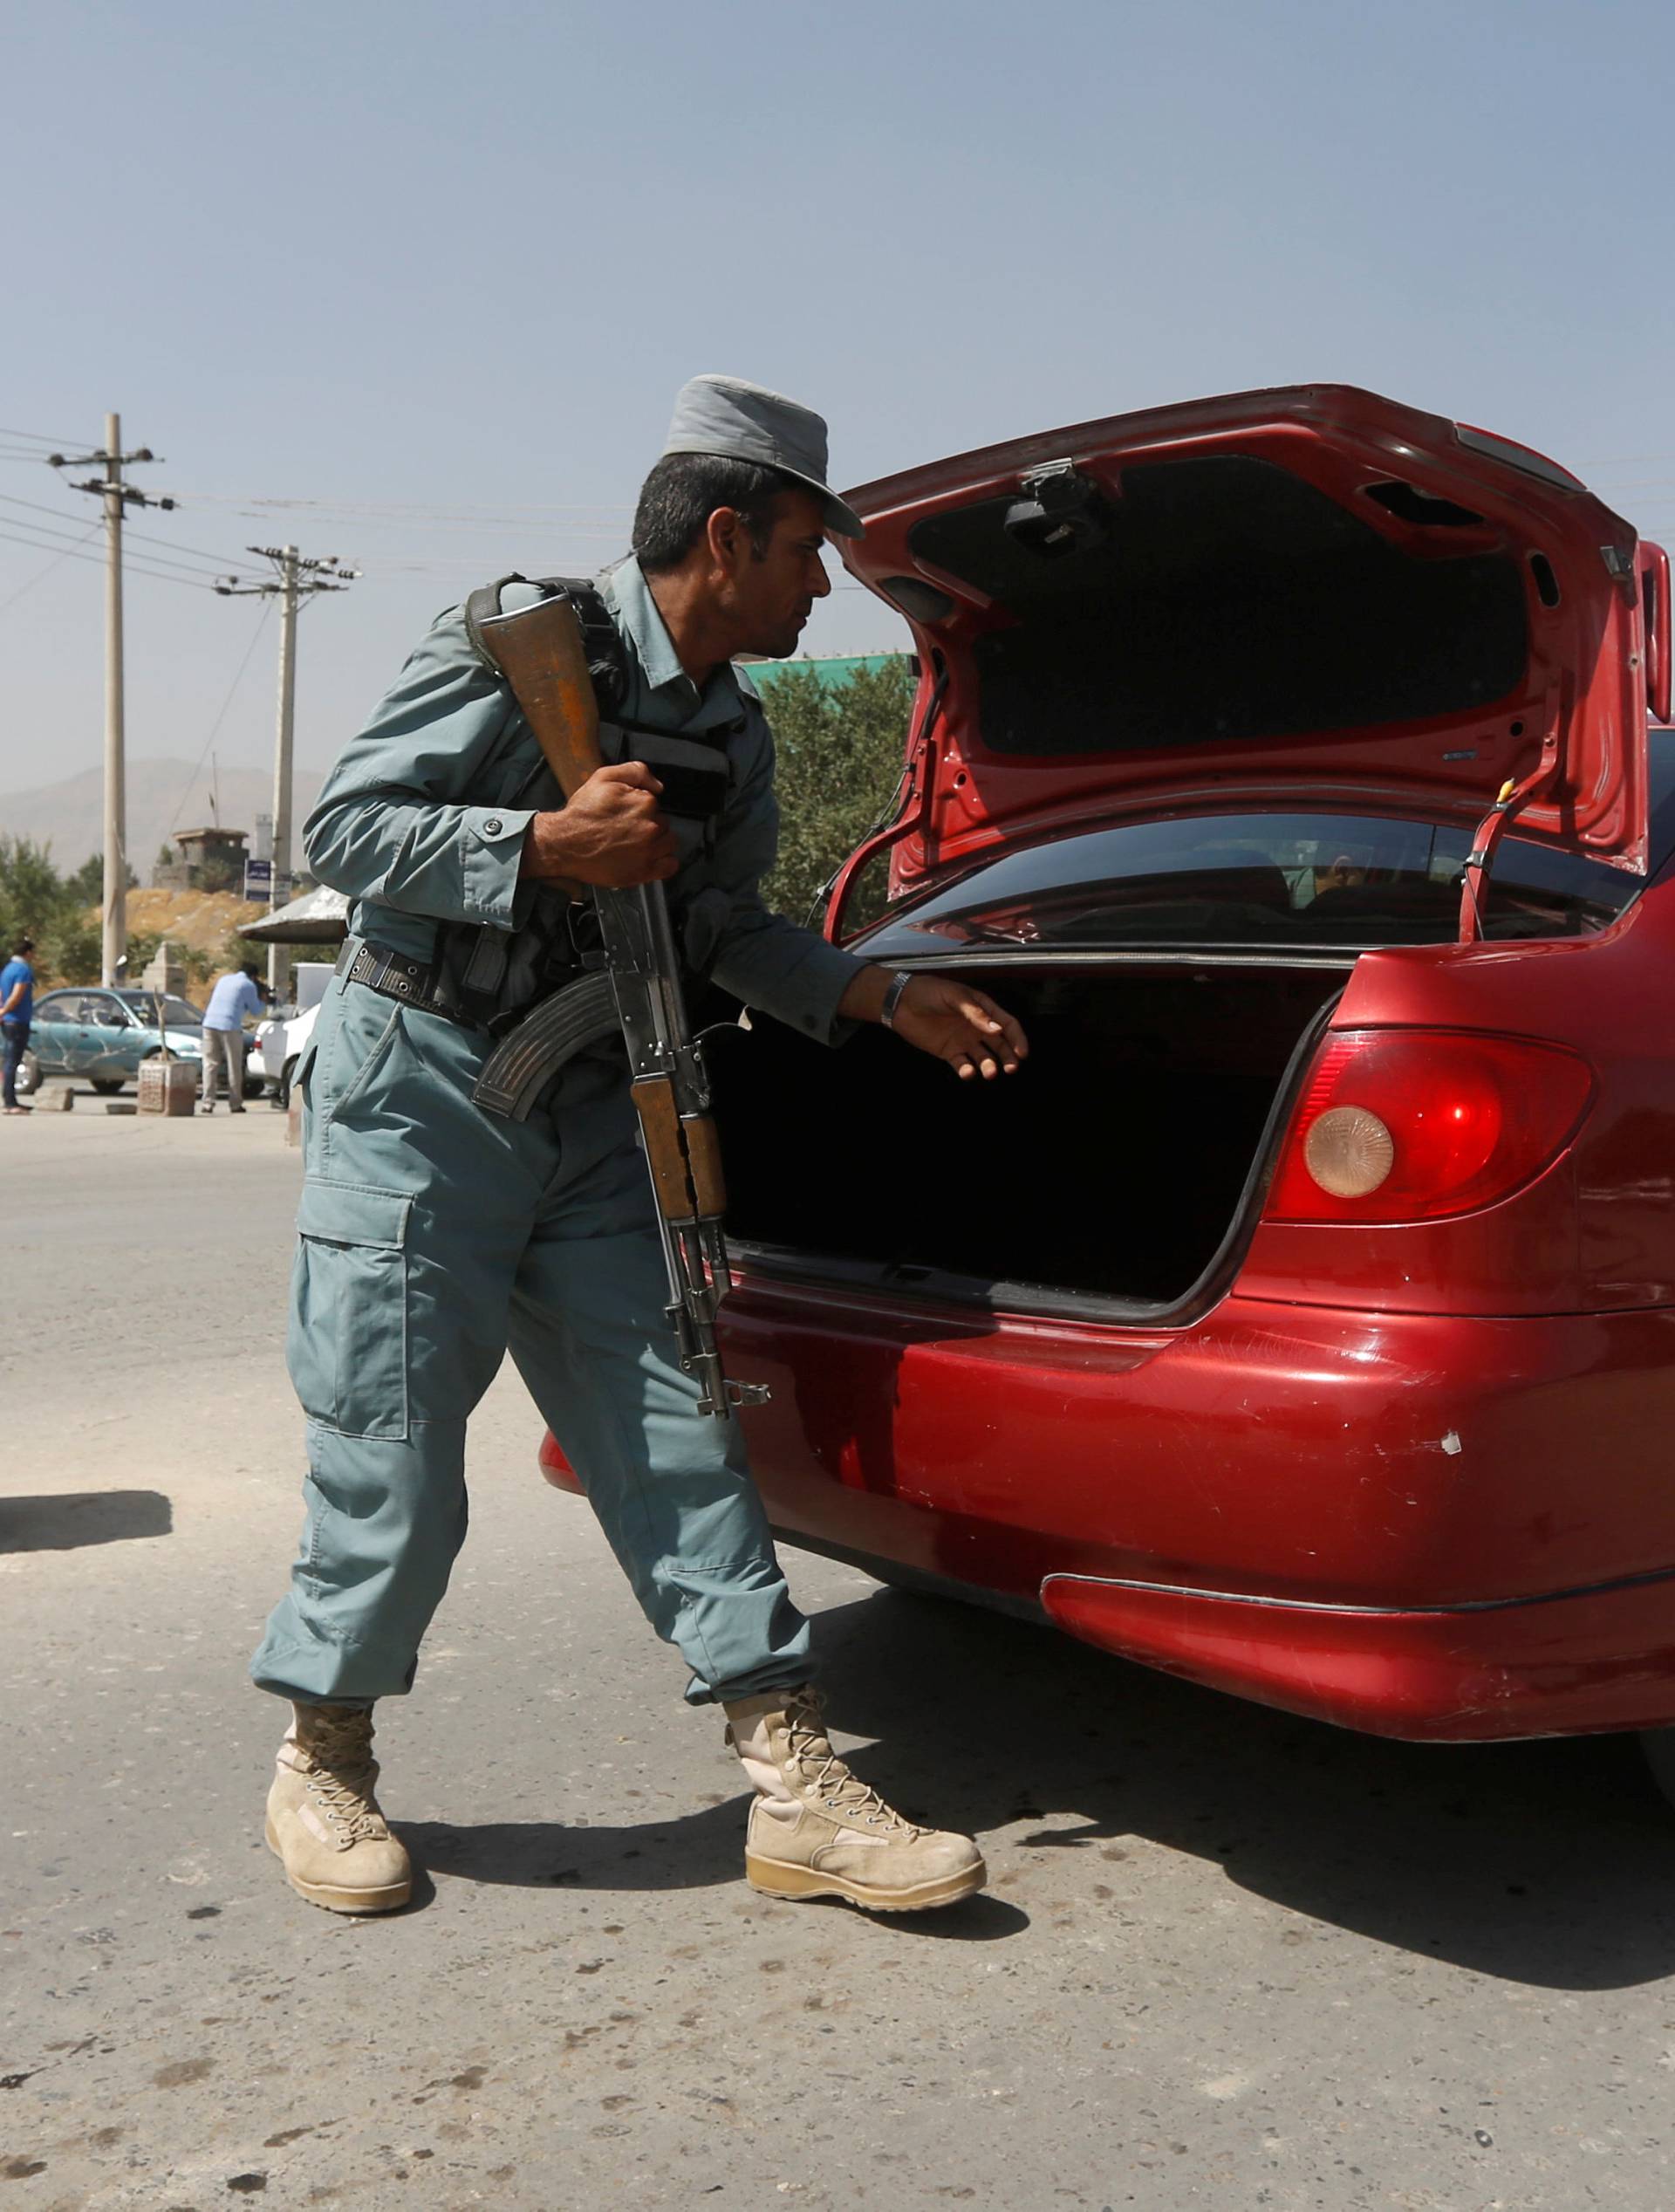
column 158, row 575
column 165, row 571
column 408, row 510
column 164, row 560
column 39, row 437
column 214, row 727
column 220, row 560
column 41, row 575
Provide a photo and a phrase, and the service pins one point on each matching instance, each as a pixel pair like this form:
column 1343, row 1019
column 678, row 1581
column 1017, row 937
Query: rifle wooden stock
column 540, row 652
column 704, row 1165
column 683, row 1153
column 659, row 1123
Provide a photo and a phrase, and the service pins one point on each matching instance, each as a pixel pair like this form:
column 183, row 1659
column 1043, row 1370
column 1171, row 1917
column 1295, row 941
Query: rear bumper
column 1570, row 1664
column 1423, row 1525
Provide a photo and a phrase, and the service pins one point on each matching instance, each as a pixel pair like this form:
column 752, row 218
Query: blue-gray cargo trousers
column 432, row 1240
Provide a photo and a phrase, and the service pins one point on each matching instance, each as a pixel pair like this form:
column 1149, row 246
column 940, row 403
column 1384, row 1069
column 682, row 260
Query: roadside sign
column 261, row 884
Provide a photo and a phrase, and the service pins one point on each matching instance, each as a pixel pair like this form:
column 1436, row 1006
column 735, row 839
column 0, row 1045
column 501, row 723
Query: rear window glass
column 1219, row 599
column 1324, row 879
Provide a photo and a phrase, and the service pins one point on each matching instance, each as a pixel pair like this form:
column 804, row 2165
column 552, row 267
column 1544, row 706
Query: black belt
column 393, row 975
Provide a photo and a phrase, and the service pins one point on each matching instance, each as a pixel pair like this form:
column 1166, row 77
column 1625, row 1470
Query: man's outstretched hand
column 951, row 1021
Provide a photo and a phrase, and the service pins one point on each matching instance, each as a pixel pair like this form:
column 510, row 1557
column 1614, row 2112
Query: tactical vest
column 493, row 976
column 694, row 771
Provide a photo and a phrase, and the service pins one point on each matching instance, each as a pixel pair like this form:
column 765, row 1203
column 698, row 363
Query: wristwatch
column 893, row 991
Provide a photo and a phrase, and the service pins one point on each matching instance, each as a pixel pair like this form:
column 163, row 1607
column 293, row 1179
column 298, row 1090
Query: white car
column 281, row 1040
column 280, row 1043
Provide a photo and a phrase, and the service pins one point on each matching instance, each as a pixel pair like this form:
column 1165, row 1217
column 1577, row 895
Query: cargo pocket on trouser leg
column 347, row 1344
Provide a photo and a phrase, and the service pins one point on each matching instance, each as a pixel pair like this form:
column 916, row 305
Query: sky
column 415, row 285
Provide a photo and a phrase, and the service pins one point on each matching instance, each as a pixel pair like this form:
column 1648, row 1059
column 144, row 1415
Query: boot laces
column 809, row 1749
column 342, row 1775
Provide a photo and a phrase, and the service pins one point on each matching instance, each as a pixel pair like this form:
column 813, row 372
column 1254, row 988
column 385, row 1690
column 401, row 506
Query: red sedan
column 1301, row 1319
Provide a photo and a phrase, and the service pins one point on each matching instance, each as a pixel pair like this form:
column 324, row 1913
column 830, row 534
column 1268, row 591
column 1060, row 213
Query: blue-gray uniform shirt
column 423, row 817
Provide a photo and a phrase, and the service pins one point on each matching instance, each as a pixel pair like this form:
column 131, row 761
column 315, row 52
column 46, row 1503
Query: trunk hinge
column 1474, row 883
column 911, row 801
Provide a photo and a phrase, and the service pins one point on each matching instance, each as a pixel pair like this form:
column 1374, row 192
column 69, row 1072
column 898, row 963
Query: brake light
column 1413, row 1124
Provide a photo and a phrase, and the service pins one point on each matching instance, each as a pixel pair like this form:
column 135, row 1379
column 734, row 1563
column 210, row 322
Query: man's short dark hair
column 21, row 945
column 252, row 969
column 683, row 491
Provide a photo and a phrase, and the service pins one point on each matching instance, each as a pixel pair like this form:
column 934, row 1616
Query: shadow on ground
column 77, row 1517
column 1546, row 1863
column 1549, row 1864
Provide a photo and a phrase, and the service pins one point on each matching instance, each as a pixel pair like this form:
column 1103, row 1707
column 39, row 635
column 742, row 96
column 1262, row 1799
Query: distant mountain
column 163, row 795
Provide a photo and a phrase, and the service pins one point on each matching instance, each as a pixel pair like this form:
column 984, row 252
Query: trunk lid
column 1308, row 595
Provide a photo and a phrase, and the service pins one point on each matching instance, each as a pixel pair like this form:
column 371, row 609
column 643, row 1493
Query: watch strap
column 893, row 990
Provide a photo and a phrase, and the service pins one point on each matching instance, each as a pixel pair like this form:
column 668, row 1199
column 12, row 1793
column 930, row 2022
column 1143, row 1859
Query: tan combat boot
column 324, row 1820
column 817, row 1830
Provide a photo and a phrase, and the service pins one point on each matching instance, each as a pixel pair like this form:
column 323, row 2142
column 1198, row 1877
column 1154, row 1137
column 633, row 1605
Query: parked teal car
column 100, row 1036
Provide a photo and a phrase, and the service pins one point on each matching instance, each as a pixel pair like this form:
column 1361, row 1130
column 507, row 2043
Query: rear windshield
column 1325, row 880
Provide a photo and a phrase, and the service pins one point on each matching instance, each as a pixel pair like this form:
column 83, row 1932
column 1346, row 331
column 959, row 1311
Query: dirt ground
column 201, row 920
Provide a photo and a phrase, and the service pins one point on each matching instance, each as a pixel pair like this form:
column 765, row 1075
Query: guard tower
column 218, row 853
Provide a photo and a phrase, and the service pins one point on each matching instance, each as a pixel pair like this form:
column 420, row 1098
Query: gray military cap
column 725, row 416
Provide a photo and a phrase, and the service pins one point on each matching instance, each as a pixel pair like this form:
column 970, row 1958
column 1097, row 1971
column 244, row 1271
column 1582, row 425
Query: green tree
column 30, row 887
column 142, row 950
column 222, row 873
column 840, row 749
column 86, row 885
column 34, row 898
column 71, row 948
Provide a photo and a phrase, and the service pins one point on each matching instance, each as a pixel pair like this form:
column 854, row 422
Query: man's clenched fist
column 609, row 833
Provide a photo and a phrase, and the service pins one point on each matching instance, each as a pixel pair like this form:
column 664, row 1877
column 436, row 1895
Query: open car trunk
column 1307, row 595
column 1114, row 1166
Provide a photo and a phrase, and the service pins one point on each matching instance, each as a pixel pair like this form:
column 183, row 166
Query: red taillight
column 1412, row 1124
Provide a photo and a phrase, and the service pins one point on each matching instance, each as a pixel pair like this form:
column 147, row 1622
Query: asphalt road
column 1227, row 1959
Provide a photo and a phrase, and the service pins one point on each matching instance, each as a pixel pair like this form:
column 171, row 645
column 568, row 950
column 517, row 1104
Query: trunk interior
column 1110, row 1166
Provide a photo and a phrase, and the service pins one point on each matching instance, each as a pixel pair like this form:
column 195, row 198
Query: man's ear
column 723, row 532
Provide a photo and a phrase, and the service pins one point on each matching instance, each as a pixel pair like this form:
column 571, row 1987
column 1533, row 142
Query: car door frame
column 108, row 1061
column 51, row 1063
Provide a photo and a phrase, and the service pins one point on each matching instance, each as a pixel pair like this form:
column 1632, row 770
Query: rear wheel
column 106, row 1086
column 1658, row 1744
column 286, row 1075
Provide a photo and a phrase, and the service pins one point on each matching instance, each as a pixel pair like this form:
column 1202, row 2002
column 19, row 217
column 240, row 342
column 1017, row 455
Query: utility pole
column 279, row 883
column 294, row 580
column 116, row 497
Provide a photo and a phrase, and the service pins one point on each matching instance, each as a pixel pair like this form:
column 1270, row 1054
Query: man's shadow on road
column 1547, row 1863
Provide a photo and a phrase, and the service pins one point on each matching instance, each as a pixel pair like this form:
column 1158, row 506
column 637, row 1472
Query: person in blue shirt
column 16, row 1012
column 235, row 994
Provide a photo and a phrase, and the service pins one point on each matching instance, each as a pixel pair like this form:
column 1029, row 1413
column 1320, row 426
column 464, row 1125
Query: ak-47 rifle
column 540, row 651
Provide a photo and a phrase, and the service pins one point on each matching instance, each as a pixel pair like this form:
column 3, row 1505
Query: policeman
column 432, row 1238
